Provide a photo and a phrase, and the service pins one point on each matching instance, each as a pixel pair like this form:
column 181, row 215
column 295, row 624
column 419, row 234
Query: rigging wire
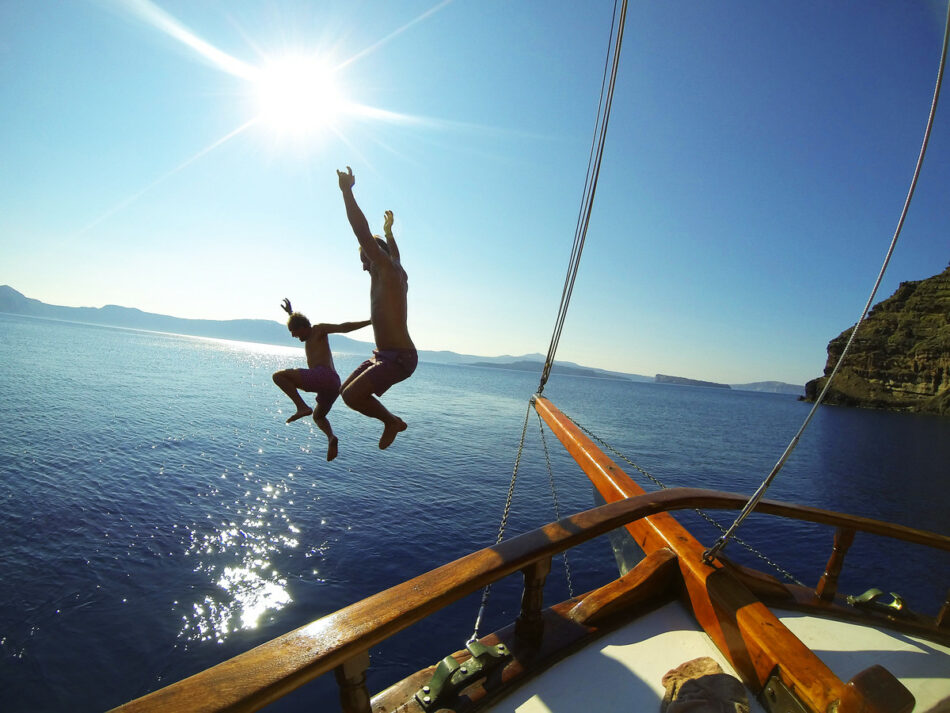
column 504, row 521
column 583, row 219
column 590, row 184
column 760, row 492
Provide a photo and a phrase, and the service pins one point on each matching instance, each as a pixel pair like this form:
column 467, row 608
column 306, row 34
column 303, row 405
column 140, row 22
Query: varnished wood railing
column 339, row 642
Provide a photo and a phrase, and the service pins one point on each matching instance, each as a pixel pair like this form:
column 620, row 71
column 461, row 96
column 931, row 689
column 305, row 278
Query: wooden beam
column 740, row 625
column 650, row 579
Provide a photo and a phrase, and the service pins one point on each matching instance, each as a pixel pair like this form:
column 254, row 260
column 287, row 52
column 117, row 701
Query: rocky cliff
column 900, row 358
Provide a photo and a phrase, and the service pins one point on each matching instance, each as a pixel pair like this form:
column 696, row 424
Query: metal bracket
column 777, row 698
column 450, row 676
column 871, row 599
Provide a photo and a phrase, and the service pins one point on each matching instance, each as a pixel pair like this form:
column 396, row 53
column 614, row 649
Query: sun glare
column 297, row 96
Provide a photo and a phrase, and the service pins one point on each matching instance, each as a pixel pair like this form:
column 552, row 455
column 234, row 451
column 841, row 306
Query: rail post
column 828, row 584
column 530, row 624
column 351, row 678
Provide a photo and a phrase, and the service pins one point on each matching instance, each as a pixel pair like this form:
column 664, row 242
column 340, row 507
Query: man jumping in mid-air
column 394, row 358
column 320, row 376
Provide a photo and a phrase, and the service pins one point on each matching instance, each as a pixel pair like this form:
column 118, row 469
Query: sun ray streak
column 372, row 48
column 370, row 112
column 184, row 164
column 161, row 20
column 354, row 148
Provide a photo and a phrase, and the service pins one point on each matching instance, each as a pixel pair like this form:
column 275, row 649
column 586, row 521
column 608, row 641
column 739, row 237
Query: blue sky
column 757, row 161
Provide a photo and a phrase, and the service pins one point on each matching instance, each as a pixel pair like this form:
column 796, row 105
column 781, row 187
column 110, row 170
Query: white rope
column 757, row 496
column 590, row 187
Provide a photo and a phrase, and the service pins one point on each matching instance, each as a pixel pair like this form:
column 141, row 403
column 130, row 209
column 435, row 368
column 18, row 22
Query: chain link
column 504, row 519
column 557, row 507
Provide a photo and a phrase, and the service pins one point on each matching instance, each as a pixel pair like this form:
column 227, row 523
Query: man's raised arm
column 390, row 239
column 355, row 215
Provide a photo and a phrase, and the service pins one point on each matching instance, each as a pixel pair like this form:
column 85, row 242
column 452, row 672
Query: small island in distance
column 525, row 365
column 683, row 381
column 537, row 364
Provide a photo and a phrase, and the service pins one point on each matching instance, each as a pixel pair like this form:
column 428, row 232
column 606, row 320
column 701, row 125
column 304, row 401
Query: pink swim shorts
column 388, row 367
column 323, row 381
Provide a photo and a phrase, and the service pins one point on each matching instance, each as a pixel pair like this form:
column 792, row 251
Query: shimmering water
column 160, row 517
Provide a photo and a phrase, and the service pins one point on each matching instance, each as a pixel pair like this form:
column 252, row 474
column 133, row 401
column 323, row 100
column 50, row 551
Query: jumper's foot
column 332, row 448
column 389, row 433
column 300, row 414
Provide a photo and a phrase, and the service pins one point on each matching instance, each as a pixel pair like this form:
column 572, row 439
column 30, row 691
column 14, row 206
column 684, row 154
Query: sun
column 297, row 96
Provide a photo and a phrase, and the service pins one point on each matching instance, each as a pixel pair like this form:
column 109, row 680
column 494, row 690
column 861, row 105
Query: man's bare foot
column 331, row 448
column 389, row 433
column 300, row 414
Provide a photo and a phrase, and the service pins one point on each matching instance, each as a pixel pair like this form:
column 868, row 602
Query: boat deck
column 623, row 670
column 922, row 666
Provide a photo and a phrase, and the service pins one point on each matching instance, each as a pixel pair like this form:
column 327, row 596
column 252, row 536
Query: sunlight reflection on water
column 237, row 556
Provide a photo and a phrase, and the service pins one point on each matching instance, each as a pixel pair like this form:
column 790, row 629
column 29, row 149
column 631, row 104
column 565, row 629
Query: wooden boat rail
column 341, row 641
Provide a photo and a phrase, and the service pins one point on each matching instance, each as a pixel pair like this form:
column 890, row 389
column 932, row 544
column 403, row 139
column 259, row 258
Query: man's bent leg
column 289, row 381
column 358, row 395
column 320, row 418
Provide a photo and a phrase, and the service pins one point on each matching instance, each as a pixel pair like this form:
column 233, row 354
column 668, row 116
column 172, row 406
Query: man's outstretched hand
column 388, row 222
column 286, row 306
column 347, row 180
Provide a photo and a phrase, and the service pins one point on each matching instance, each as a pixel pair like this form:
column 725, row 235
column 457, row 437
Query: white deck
column 847, row 649
column 622, row 671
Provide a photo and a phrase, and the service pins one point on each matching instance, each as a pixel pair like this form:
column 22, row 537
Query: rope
column 580, row 234
column 557, row 507
column 504, row 520
column 757, row 496
column 590, row 184
column 772, row 563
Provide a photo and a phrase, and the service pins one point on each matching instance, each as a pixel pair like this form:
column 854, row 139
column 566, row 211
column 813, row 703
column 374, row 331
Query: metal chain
column 777, row 567
column 504, row 519
column 557, row 507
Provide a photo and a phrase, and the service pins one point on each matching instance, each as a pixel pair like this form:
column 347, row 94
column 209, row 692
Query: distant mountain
column 244, row 330
column 271, row 332
column 559, row 367
column 251, row 330
column 683, row 381
column 772, row 387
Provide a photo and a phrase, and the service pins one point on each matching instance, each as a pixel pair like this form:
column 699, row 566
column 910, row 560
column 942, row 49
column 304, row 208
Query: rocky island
column 900, row 358
column 683, row 381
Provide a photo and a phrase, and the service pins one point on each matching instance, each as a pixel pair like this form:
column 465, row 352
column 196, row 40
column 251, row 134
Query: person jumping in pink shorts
column 320, row 376
column 394, row 358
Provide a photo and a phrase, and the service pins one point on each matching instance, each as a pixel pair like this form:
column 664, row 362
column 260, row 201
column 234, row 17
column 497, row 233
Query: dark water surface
column 160, row 517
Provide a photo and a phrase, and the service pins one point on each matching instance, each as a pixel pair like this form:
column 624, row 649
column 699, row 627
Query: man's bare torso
column 317, row 348
column 387, row 297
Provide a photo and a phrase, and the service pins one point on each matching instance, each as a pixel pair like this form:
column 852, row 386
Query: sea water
column 159, row 516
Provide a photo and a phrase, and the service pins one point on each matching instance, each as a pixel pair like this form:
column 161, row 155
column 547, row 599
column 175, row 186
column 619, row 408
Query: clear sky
column 180, row 157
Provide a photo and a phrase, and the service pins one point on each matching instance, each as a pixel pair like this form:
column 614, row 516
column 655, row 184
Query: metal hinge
column 450, row 676
column 778, row 698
